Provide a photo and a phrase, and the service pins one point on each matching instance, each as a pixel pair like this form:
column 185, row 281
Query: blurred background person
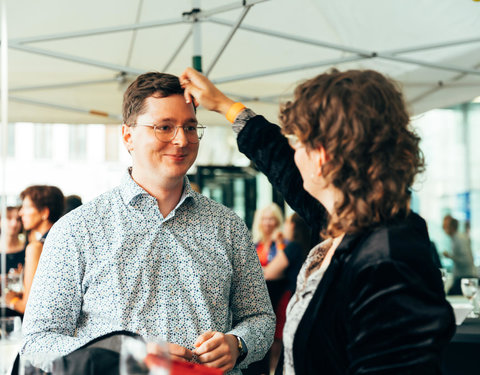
column 15, row 239
column 460, row 253
column 266, row 230
column 266, row 223
column 42, row 206
column 71, row 202
column 285, row 266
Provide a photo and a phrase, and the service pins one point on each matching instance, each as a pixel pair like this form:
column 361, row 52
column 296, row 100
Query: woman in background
column 266, row 227
column 286, row 266
column 267, row 222
column 15, row 252
column 42, row 206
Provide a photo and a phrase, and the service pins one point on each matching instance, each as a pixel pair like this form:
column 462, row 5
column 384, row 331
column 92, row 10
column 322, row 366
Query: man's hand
column 215, row 349
column 204, row 92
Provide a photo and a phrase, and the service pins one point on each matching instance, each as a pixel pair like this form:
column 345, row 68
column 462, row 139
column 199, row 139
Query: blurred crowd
column 27, row 228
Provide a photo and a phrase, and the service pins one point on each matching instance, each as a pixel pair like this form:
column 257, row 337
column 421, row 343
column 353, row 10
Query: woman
column 287, row 263
column 266, row 224
column 369, row 298
column 285, row 266
column 42, row 206
column 15, row 252
column 266, row 227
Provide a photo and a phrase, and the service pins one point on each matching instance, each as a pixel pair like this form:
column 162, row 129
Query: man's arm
column 252, row 313
column 55, row 300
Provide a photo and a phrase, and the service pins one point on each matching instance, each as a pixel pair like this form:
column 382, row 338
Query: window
column 77, row 142
column 43, row 141
column 11, row 140
column 112, row 134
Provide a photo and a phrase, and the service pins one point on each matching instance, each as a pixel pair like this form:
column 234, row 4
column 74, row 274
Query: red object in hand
column 181, row 368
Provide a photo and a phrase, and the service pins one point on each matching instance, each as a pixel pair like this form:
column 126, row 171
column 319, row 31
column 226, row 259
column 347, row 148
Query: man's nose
column 180, row 137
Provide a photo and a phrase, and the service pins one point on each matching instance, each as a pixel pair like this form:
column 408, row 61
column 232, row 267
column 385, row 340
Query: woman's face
column 306, row 164
column 31, row 216
column 268, row 223
column 14, row 224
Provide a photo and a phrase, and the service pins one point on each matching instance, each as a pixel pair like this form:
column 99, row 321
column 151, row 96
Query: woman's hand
column 204, row 92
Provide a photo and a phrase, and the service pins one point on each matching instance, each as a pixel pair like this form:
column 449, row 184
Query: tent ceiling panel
column 72, row 54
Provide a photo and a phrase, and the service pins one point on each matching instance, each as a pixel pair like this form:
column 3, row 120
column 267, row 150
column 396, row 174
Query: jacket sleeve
column 263, row 143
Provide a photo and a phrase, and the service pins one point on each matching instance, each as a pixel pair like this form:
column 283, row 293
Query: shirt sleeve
column 253, row 318
column 55, row 300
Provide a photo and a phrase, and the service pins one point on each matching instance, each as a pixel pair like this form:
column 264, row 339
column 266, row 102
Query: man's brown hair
column 155, row 84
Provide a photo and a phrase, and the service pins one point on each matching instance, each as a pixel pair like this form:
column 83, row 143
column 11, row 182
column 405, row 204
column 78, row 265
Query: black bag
column 101, row 356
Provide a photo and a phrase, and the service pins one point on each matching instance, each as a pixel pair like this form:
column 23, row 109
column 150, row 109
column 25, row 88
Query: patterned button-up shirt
column 116, row 263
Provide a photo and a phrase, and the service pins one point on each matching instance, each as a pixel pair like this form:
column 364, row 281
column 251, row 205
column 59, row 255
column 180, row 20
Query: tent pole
column 448, row 67
column 228, row 39
column 66, row 108
column 63, row 85
column 197, row 37
column 177, row 51
column 81, row 60
column 294, row 38
column 287, row 69
column 4, row 124
column 454, row 43
column 99, row 31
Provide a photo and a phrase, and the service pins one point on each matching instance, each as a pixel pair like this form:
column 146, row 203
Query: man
column 461, row 254
column 152, row 256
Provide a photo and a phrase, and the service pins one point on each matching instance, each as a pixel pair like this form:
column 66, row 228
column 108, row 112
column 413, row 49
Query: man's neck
column 167, row 193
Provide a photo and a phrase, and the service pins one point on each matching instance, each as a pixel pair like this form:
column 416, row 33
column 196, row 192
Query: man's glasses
column 166, row 133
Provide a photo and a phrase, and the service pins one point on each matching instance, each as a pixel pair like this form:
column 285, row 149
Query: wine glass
column 137, row 357
column 444, row 274
column 10, row 340
column 469, row 289
column 14, row 281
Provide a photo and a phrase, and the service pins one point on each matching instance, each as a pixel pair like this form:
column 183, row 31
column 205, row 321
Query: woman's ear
column 127, row 137
column 320, row 156
column 323, row 155
column 45, row 213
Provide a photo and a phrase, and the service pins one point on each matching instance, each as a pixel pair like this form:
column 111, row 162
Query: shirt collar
column 131, row 191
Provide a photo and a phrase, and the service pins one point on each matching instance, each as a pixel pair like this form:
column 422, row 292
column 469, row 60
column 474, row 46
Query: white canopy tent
column 70, row 61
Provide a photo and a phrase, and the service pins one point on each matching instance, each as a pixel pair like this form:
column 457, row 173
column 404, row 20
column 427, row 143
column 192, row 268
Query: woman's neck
column 43, row 227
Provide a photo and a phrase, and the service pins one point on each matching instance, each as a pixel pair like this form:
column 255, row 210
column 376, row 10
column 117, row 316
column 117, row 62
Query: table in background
column 462, row 356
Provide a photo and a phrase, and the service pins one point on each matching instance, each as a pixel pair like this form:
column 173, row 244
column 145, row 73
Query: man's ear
column 127, row 137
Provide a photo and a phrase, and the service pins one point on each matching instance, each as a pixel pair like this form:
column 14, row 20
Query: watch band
column 242, row 349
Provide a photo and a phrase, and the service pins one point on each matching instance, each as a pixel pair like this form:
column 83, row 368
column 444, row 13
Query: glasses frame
column 200, row 132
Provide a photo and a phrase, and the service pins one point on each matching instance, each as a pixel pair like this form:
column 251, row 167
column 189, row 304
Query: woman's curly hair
column 360, row 118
